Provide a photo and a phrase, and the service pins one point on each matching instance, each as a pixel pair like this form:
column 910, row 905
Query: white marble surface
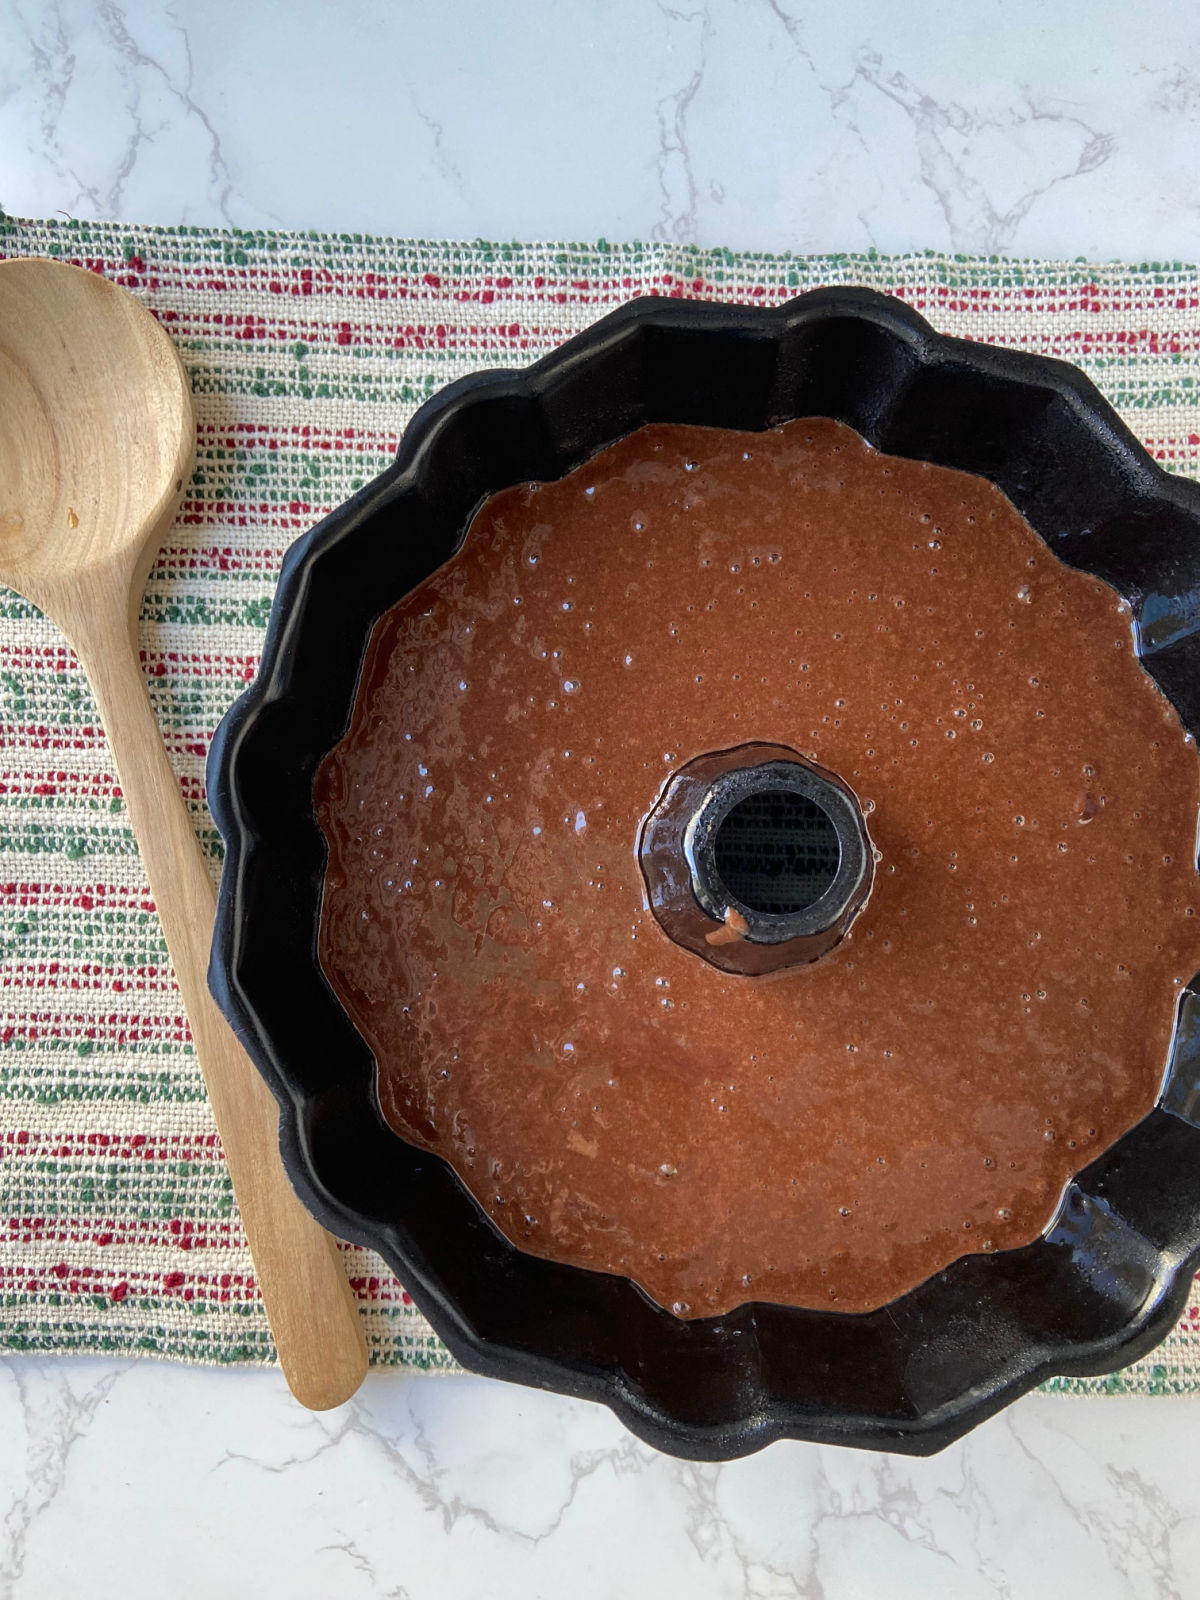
column 1015, row 127
column 775, row 124
column 137, row 1480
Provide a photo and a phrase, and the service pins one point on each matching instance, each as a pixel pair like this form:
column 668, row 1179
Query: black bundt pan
column 1109, row 1278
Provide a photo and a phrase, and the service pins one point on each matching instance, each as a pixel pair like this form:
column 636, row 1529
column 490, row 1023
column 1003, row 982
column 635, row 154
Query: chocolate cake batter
column 829, row 1135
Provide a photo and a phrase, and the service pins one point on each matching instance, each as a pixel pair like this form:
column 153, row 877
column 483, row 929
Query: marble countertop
column 757, row 124
column 142, row 1479
column 771, row 124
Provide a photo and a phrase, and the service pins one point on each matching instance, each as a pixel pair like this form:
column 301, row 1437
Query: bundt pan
column 1105, row 1282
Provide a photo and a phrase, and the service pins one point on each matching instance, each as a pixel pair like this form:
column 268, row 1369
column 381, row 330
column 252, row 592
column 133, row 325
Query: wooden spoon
column 97, row 440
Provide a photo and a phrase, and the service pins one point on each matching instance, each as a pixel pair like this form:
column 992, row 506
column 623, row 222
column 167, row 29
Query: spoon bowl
column 97, row 438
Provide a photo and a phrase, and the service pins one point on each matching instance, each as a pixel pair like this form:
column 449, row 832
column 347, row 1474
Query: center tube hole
column 777, row 852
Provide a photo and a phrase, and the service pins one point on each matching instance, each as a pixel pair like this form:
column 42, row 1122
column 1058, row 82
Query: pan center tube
column 756, row 859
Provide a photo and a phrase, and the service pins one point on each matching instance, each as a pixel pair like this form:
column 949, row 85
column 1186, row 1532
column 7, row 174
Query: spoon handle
column 308, row 1300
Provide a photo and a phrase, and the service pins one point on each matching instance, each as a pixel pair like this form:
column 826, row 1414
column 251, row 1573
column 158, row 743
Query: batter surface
column 834, row 1134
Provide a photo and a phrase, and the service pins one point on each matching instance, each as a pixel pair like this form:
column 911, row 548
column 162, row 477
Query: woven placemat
column 308, row 354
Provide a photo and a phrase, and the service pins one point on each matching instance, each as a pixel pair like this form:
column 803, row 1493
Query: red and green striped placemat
column 308, row 355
